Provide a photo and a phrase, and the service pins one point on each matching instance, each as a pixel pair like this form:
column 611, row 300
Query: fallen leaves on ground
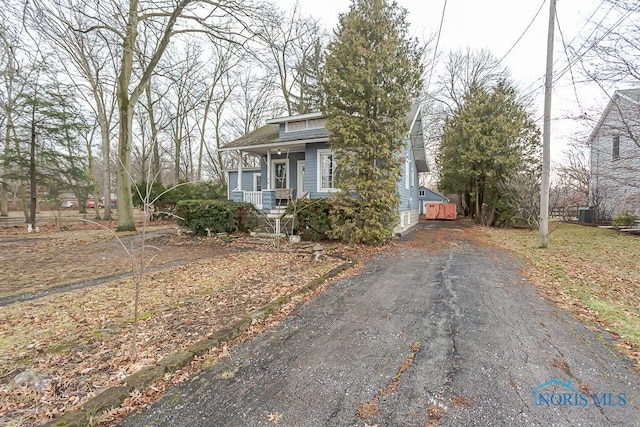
column 83, row 338
column 275, row 417
column 51, row 258
column 593, row 272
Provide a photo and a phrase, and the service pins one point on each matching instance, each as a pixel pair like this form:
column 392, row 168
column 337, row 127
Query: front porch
column 264, row 200
column 286, row 159
column 279, row 178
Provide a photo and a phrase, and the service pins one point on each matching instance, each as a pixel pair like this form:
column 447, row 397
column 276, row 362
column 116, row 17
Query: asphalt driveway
column 443, row 331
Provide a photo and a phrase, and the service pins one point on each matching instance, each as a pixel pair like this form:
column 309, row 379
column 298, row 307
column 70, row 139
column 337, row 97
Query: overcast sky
column 497, row 25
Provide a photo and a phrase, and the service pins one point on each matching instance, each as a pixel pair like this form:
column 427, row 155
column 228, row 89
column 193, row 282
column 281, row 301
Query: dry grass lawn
column 593, row 272
column 82, row 339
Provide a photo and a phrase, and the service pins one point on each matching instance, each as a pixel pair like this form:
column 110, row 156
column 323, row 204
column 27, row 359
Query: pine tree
column 489, row 140
column 373, row 74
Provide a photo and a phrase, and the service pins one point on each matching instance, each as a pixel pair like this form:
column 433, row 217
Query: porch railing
column 254, row 197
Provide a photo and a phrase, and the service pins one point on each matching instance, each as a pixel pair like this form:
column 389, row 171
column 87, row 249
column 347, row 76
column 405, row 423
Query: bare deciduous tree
column 465, row 69
column 148, row 27
column 93, row 66
column 292, row 43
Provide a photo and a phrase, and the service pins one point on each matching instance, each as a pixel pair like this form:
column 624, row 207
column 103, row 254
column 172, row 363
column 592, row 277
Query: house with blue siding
column 296, row 161
column 429, row 196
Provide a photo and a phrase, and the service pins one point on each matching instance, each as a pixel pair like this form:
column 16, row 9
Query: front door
column 300, row 188
column 280, row 176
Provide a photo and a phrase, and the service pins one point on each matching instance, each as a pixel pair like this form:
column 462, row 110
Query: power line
column 579, row 55
column 435, row 53
column 589, row 19
column 523, row 33
column 566, row 52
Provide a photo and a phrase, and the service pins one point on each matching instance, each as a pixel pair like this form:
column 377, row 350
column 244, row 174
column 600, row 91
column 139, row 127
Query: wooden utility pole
column 546, row 133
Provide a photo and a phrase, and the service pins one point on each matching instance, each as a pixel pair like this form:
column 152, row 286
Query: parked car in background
column 91, row 204
column 69, row 204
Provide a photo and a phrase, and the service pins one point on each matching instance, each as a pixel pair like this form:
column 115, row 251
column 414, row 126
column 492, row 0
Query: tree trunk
column 8, row 113
column 25, row 201
column 155, row 151
column 478, row 204
column 123, row 175
column 201, row 143
column 96, row 185
column 106, row 183
column 127, row 101
column 32, row 172
column 4, row 200
column 125, row 112
column 4, row 190
column 177, row 140
column 465, row 201
column 493, row 214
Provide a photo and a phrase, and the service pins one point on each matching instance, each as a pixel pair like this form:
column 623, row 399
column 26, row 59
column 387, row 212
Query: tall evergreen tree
column 489, row 140
column 373, row 74
column 48, row 148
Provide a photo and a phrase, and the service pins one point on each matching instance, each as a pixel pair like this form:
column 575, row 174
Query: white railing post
column 253, row 197
column 240, row 170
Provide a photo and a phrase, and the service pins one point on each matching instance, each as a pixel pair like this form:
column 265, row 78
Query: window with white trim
column 257, row 182
column 420, row 193
column 407, row 168
column 413, row 177
column 326, row 171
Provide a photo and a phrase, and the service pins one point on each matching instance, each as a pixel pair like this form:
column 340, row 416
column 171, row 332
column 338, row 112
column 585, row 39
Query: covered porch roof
column 267, row 138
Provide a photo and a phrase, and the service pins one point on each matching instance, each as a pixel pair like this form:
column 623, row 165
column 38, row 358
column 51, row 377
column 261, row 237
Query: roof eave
column 602, row 118
column 275, row 144
column 278, row 120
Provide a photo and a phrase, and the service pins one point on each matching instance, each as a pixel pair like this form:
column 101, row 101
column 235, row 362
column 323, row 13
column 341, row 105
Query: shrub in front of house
column 158, row 194
column 196, row 191
column 163, row 199
column 215, row 216
column 624, row 219
column 313, row 218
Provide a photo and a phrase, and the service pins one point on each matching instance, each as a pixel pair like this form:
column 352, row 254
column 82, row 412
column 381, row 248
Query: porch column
column 268, row 180
column 240, row 170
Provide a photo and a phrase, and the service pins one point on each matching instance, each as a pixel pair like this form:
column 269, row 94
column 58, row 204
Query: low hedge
column 313, row 218
column 215, row 216
column 625, row 219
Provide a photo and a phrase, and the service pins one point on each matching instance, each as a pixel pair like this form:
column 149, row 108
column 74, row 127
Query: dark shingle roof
column 264, row 135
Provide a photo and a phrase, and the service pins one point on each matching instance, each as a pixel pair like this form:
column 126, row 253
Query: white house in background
column 614, row 185
column 296, row 161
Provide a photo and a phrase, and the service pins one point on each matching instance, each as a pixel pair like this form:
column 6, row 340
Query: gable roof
column 432, row 196
column 269, row 136
column 629, row 95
